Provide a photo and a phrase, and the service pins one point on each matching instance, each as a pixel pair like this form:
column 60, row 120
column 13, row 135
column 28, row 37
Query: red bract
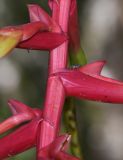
column 21, row 113
column 11, row 36
column 42, row 127
column 38, row 14
column 27, row 30
column 19, row 140
column 44, row 41
column 51, row 2
column 87, row 80
column 24, row 137
column 56, row 150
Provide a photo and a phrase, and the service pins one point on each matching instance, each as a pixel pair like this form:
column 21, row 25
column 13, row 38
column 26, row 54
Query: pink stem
column 55, row 93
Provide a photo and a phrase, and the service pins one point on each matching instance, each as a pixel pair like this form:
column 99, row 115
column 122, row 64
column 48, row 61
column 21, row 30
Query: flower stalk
column 55, row 93
column 86, row 82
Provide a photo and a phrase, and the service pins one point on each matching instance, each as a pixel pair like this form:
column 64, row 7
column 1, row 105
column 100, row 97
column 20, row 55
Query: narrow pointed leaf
column 36, row 13
column 18, row 107
column 20, row 140
column 60, row 144
column 50, row 3
column 27, row 30
column 93, row 68
column 32, row 28
column 11, row 36
column 21, row 113
column 43, row 41
column 14, row 121
column 91, row 87
column 56, row 150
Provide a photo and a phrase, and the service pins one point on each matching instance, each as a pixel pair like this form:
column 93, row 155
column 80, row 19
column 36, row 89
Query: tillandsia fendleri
column 58, row 33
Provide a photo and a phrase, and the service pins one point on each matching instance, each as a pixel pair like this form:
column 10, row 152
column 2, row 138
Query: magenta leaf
column 19, row 140
column 28, row 30
column 12, row 35
column 21, row 113
column 94, row 69
column 31, row 29
column 88, row 84
column 50, row 3
column 56, row 150
column 36, row 13
column 18, row 107
column 43, row 41
column 24, row 137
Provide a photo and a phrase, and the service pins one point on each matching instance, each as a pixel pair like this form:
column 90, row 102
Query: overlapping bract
column 56, row 150
column 82, row 82
column 28, row 135
column 43, row 41
column 21, row 113
column 36, row 13
column 25, row 136
column 84, row 86
column 30, row 36
column 87, row 83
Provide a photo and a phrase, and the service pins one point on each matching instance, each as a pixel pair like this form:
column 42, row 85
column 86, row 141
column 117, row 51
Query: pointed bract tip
column 31, row 5
column 18, row 107
column 12, row 35
column 60, row 144
column 36, row 13
column 94, row 68
column 32, row 8
column 14, row 102
column 56, row 150
column 57, row 1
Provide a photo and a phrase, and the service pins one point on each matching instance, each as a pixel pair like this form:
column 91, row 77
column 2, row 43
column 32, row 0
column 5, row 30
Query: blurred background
column 23, row 74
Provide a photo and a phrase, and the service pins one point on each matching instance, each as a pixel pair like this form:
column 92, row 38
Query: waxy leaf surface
column 19, row 140
column 24, row 137
column 43, row 41
column 36, row 13
column 11, row 36
column 56, row 150
column 21, row 114
column 50, row 3
column 85, row 84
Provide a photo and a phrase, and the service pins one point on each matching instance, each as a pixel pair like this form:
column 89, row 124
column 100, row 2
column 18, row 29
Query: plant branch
column 55, row 93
